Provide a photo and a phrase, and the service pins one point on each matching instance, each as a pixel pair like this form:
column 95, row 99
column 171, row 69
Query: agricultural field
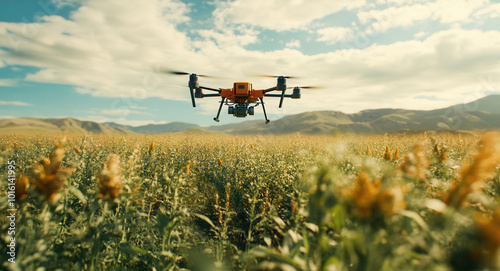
column 220, row 202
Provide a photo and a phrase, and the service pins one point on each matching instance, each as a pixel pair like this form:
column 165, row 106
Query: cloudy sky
column 96, row 60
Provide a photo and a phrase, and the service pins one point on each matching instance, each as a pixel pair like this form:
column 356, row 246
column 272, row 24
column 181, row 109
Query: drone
column 242, row 98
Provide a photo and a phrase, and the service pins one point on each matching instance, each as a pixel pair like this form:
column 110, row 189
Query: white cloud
column 110, row 49
column 449, row 11
column 279, row 14
column 491, row 11
column 228, row 38
column 420, row 34
column 399, row 2
column 16, row 103
column 7, row 82
column 445, row 11
column 63, row 3
column 333, row 35
column 105, row 47
column 293, row 44
column 446, row 64
column 381, row 20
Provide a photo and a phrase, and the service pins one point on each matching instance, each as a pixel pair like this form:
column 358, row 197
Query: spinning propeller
column 275, row 76
column 168, row 71
column 296, row 92
column 193, row 81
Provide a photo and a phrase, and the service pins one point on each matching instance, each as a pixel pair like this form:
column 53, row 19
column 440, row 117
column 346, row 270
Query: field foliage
column 295, row 202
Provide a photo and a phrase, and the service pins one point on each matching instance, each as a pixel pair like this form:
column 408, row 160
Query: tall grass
column 170, row 202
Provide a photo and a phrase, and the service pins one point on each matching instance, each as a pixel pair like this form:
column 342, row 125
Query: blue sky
column 96, row 60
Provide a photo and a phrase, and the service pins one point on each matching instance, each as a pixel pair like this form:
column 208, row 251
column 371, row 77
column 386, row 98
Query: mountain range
column 480, row 114
column 56, row 126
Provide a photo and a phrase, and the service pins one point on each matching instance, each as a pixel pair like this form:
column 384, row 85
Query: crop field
column 220, row 202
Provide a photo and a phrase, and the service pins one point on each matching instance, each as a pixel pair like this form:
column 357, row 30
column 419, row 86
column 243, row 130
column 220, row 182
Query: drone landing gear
column 220, row 108
column 264, row 109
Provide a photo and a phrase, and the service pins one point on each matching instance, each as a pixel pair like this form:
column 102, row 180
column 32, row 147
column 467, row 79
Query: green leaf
column 338, row 217
column 206, row 219
column 131, row 249
column 163, row 221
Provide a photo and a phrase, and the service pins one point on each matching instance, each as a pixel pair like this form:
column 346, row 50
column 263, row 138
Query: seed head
column 489, row 230
column 368, row 150
column 22, row 184
column 416, row 163
column 363, row 194
column 473, row 176
column 391, row 200
column 109, row 179
column 395, row 157
column 387, row 153
column 48, row 175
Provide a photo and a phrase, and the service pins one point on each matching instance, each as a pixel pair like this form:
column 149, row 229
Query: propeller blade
column 174, row 72
column 264, row 75
column 275, row 76
column 207, row 76
column 308, row 87
column 167, row 71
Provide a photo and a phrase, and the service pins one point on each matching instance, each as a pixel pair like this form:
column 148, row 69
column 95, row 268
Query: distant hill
column 489, row 104
column 55, row 126
column 481, row 114
column 370, row 121
column 172, row 127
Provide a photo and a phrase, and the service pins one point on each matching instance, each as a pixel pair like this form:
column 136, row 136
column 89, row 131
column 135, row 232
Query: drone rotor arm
column 210, row 89
column 279, row 95
column 306, row 87
column 211, row 95
column 269, row 89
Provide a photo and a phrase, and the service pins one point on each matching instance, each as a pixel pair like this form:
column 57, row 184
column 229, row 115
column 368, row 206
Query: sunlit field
column 295, row 202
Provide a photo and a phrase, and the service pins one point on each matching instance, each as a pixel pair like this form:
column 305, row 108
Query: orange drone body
column 241, row 92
